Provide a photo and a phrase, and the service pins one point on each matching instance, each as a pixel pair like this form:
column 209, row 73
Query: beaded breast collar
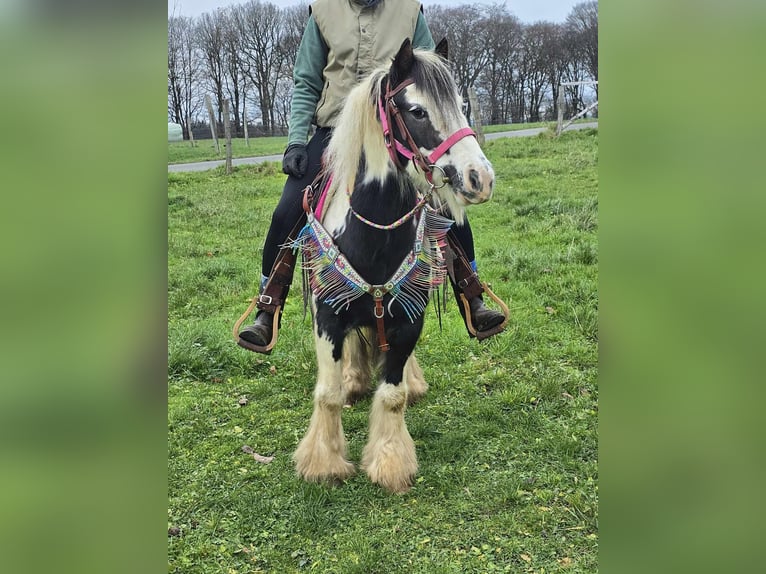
column 334, row 281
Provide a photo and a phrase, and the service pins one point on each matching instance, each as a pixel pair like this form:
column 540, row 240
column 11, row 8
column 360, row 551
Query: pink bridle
column 411, row 150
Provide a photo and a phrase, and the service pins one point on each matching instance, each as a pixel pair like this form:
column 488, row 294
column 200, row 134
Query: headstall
column 388, row 111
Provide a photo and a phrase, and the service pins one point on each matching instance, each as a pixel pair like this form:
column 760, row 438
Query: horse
column 402, row 151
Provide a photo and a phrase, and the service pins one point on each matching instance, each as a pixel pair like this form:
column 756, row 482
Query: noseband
column 388, row 111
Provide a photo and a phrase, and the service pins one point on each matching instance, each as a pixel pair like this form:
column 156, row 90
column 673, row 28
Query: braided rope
column 403, row 219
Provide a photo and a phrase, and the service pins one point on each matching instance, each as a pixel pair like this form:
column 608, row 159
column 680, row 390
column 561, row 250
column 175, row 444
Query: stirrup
column 481, row 335
column 263, row 349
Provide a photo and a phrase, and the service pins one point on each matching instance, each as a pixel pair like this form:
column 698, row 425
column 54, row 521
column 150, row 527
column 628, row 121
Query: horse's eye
column 418, row 113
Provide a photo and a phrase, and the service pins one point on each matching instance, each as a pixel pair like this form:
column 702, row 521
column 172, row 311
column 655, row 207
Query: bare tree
column 175, row 112
column 574, row 71
column 582, row 24
column 503, row 38
column 581, row 47
column 211, row 30
column 533, row 65
column 262, row 57
column 294, row 22
column 249, row 50
column 556, row 62
column 236, row 87
column 183, row 72
column 464, row 27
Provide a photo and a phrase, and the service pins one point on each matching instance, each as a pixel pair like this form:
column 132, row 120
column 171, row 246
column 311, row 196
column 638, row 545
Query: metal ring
column 445, row 179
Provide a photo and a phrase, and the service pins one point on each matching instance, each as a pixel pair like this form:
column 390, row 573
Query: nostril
column 473, row 177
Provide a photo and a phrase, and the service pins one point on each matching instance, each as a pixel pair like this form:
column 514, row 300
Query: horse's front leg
column 389, row 457
column 416, row 381
column 321, row 454
column 357, row 371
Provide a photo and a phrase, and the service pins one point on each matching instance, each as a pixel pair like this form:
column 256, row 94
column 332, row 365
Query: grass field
column 506, row 436
column 204, row 150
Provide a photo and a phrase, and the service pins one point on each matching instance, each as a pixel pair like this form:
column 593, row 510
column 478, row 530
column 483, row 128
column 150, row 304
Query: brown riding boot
column 480, row 321
column 261, row 336
column 483, row 321
column 484, row 318
column 261, row 331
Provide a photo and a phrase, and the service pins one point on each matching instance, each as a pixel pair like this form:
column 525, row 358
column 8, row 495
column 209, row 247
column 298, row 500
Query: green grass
column 515, row 127
column 204, row 150
column 506, row 436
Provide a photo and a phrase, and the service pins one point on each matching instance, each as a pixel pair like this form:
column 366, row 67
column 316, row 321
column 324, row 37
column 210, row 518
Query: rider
column 344, row 40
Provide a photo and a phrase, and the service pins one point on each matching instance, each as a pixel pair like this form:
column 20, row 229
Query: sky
column 527, row 11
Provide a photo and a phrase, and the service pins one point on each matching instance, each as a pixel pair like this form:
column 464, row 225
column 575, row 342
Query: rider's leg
column 482, row 317
column 288, row 211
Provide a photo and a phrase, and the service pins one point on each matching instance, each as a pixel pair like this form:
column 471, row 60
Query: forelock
column 432, row 76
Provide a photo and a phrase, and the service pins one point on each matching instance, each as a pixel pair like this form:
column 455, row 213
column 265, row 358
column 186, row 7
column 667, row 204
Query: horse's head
column 421, row 106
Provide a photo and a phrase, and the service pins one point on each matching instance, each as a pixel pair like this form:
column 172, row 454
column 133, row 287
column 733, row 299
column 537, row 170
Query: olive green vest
column 359, row 40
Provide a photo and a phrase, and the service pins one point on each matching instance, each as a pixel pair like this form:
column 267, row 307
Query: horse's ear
column 441, row 48
column 403, row 61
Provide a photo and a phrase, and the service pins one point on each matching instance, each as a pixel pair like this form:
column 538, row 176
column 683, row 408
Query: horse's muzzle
column 478, row 182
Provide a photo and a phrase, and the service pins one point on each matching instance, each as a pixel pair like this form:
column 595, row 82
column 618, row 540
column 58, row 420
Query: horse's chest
column 375, row 254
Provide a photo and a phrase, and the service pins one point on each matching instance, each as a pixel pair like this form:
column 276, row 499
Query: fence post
column 189, row 129
column 244, row 117
column 227, row 133
column 476, row 113
column 561, row 126
column 560, row 106
column 213, row 127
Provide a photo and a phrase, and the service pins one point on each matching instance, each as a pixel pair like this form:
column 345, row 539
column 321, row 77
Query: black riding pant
column 290, row 206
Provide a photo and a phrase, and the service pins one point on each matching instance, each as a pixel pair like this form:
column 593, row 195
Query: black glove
column 296, row 160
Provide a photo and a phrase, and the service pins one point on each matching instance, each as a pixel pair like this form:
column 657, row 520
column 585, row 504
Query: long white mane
column 358, row 130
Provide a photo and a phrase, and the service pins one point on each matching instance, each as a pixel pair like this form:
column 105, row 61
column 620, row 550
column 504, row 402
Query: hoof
column 320, row 466
column 392, row 465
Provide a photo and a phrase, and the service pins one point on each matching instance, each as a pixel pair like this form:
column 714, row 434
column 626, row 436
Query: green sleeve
column 423, row 37
column 308, row 81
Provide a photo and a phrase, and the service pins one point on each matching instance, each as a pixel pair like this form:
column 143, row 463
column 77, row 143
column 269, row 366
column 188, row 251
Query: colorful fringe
column 334, row 281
